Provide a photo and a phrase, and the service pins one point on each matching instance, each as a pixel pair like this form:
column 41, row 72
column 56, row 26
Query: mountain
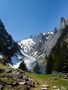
column 58, row 58
column 11, row 53
column 45, row 53
column 10, row 58
column 40, row 47
column 42, row 53
column 9, row 49
column 27, row 45
column 34, row 45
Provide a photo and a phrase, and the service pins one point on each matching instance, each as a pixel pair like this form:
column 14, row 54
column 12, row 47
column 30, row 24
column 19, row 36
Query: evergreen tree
column 49, row 65
column 23, row 66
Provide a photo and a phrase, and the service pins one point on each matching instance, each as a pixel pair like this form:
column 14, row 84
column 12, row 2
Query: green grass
column 2, row 66
column 50, row 80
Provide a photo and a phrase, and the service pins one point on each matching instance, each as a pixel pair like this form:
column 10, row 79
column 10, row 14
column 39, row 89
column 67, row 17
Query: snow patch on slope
column 29, row 61
column 16, row 60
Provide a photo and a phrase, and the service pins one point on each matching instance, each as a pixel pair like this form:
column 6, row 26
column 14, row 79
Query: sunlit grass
column 50, row 80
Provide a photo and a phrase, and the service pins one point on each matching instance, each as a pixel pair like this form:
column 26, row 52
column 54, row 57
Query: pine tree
column 49, row 65
column 23, row 66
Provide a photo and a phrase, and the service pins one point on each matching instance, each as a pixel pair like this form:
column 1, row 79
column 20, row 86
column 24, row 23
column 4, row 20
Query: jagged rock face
column 35, row 45
column 41, row 42
column 54, row 39
column 7, row 44
column 26, row 45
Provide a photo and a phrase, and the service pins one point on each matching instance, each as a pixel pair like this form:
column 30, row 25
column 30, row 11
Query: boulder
column 1, row 86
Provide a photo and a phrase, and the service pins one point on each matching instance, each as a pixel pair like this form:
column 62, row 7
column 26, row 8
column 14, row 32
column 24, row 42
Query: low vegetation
column 14, row 79
column 59, row 80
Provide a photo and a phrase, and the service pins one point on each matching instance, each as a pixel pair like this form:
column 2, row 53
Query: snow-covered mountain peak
column 28, row 41
column 50, row 33
column 27, row 44
column 44, row 33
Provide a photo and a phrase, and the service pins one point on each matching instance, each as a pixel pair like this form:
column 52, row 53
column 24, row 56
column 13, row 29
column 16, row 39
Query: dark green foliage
column 7, row 45
column 23, row 66
column 58, row 59
column 36, row 68
column 49, row 65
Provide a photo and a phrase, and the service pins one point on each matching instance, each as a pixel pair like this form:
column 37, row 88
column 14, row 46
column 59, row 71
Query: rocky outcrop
column 11, row 79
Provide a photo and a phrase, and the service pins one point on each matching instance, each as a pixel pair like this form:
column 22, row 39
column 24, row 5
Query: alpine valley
column 45, row 53
column 36, row 63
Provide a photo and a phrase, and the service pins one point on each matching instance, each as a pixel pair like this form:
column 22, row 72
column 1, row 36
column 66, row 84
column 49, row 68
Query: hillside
column 58, row 58
column 14, row 79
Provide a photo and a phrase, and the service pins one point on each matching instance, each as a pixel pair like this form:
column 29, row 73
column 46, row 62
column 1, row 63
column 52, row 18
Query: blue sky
column 23, row 18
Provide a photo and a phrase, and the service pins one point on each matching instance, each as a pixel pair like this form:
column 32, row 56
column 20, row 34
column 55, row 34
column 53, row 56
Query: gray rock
column 1, row 86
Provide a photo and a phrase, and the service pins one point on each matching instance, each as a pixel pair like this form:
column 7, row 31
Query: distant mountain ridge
column 34, row 45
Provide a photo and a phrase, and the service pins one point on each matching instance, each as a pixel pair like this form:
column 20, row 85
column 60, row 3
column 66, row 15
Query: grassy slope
column 8, row 80
column 50, row 80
